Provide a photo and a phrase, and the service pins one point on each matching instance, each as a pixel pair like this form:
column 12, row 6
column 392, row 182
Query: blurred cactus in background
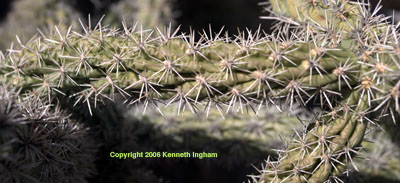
column 27, row 16
column 39, row 143
column 381, row 159
column 235, row 138
column 149, row 13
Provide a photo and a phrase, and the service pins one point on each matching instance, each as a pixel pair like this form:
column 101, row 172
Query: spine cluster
column 39, row 143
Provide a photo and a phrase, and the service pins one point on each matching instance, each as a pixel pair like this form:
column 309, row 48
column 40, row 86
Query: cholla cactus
column 334, row 54
column 27, row 16
column 41, row 144
column 383, row 157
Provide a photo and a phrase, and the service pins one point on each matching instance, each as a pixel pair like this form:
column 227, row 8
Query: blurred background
column 240, row 146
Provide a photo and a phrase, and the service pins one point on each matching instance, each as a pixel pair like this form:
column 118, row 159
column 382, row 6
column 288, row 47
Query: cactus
column 39, row 143
column 334, row 54
column 378, row 160
column 150, row 13
column 27, row 16
column 382, row 157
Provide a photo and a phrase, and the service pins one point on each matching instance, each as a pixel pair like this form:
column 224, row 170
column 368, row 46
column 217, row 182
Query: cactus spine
column 334, row 54
column 39, row 143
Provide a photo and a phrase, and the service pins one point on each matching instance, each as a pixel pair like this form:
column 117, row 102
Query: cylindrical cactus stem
column 342, row 14
column 324, row 150
column 103, row 63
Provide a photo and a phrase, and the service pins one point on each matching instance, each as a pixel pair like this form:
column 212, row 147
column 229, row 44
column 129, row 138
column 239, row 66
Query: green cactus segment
column 342, row 15
column 104, row 62
column 324, row 151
